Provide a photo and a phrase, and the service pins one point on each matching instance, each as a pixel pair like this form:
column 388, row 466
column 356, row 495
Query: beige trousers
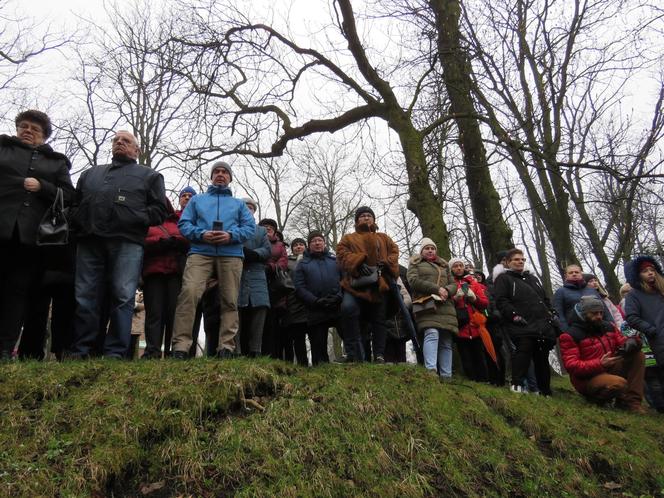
column 198, row 270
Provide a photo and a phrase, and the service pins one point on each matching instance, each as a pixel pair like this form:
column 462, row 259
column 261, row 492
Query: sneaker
column 518, row 389
column 179, row 355
column 379, row 359
column 225, row 354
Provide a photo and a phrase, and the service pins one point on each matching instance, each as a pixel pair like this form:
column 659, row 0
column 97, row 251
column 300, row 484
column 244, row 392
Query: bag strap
column 58, row 204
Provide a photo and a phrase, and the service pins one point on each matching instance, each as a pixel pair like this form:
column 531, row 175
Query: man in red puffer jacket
column 603, row 364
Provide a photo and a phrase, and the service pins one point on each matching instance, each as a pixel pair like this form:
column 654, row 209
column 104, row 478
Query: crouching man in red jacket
column 603, row 364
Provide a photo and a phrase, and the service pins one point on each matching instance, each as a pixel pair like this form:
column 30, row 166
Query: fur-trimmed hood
column 632, row 270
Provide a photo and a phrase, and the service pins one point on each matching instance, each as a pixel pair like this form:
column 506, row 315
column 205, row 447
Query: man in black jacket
column 30, row 174
column 115, row 204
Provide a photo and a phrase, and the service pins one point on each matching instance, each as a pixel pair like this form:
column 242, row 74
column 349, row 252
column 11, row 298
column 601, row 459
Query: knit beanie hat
column 426, row 241
column 221, row 164
column 187, row 190
column 590, row 304
column 453, row 261
column 313, row 234
column 269, row 222
column 589, row 276
column 298, row 240
column 250, row 201
column 364, row 209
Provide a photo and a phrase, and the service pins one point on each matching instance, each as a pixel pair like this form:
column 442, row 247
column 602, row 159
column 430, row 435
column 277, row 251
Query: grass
column 264, row 428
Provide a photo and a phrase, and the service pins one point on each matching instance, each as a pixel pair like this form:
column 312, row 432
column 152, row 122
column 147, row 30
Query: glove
column 471, row 296
column 519, row 320
column 459, row 294
column 364, row 270
column 250, row 256
column 631, row 346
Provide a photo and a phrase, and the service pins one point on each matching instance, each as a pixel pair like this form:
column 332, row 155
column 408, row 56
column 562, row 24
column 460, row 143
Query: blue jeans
column 105, row 269
column 437, row 350
column 354, row 309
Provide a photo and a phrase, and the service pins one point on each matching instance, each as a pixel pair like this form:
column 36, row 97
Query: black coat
column 522, row 294
column 119, row 200
column 19, row 207
column 317, row 276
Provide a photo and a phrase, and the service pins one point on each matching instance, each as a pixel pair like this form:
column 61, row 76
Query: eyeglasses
column 35, row 128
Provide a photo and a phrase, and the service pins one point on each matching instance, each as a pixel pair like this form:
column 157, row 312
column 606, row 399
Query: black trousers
column 293, row 343
column 537, row 350
column 318, row 339
column 160, row 295
column 395, row 350
column 496, row 370
column 20, row 268
column 473, row 359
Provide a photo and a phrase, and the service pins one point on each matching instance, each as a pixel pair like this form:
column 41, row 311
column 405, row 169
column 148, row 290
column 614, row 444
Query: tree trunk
column 495, row 233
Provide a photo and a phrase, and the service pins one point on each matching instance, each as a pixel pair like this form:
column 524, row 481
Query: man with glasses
column 115, row 204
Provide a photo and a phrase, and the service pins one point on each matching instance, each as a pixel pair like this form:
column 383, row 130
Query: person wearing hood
column 254, row 300
column 317, row 285
column 114, row 207
column 432, row 284
column 217, row 225
column 30, row 174
column 644, row 312
column 573, row 289
column 529, row 320
column 615, row 312
column 368, row 260
column 603, row 365
column 468, row 298
column 163, row 264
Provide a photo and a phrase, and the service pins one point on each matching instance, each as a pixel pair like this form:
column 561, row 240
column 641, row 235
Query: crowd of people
column 210, row 262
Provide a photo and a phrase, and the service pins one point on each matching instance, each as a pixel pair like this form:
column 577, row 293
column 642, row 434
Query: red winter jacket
column 165, row 248
column 465, row 308
column 582, row 349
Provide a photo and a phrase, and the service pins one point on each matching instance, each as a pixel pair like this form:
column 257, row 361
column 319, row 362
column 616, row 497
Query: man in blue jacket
column 217, row 224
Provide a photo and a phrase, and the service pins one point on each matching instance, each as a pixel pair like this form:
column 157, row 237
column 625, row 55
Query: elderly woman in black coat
column 30, row 174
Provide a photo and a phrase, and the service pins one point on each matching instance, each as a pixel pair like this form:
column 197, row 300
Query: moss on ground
column 264, row 428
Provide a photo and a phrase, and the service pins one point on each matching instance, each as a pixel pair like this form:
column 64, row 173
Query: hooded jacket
column 253, row 286
column 582, row 348
column 217, row 204
column 21, row 208
column 368, row 246
column 165, row 248
column 464, row 308
column 645, row 310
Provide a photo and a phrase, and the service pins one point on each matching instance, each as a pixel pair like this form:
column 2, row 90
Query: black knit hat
column 364, row 209
column 298, row 240
column 269, row 222
column 312, row 235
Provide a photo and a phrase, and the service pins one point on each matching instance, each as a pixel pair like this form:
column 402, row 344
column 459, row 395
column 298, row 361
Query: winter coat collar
column 222, row 190
column 579, row 328
column 632, row 270
column 325, row 254
column 574, row 284
column 363, row 228
column 45, row 149
column 417, row 258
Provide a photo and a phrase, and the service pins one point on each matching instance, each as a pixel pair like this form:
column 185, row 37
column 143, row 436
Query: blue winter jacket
column 569, row 295
column 219, row 204
column 253, row 286
column 645, row 310
column 317, row 276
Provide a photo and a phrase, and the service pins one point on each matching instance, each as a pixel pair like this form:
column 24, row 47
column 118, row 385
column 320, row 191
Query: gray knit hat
column 589, row 304
column 221, row 164
column 249, row 200
column 426, row 241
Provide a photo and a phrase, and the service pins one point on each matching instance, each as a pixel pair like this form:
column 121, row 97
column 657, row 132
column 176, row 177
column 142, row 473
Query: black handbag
column 280, row 284
column 364, row 281
column 53, row 228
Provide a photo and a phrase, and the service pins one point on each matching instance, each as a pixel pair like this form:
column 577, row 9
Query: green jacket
column 425, row 278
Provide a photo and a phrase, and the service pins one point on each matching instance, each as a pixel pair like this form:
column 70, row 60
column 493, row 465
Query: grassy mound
column 263, row 428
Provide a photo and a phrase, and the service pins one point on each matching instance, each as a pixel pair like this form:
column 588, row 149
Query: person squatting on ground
column 254, row 300
column 432, row 285
column 367, row 259
column 114, row 207
column 31, row 173
column 603, row 364
column 317, row 285
column 469, row 298
column 216, row 224
column 529, row 320
column 644, row 310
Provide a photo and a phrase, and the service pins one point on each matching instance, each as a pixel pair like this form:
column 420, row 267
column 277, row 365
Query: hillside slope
column 264, row 428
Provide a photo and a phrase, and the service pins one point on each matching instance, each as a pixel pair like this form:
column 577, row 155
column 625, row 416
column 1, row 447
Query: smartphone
column 218, row 226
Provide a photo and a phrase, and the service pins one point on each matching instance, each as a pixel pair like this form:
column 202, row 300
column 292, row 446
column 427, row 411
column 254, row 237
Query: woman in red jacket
column 469, row 298
column 163, row 264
